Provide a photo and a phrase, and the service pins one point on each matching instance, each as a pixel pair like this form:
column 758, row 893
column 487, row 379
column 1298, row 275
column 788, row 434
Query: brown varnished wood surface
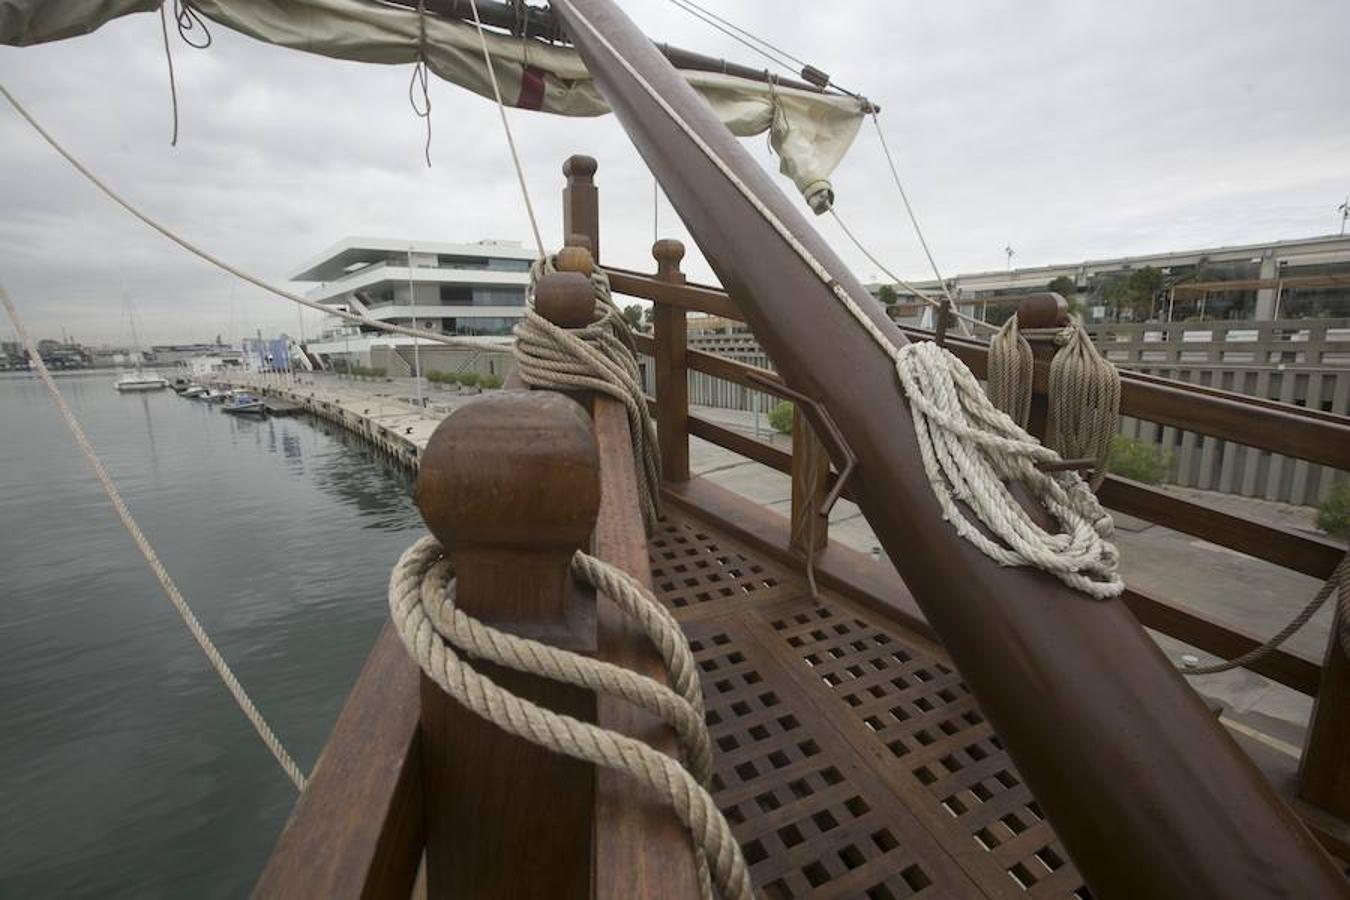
column 1324, row 772
column 641, row 849
column 850, row 759
column 357, row 829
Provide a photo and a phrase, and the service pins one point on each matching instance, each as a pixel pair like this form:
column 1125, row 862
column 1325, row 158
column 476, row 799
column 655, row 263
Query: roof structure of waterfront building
column 473, row 290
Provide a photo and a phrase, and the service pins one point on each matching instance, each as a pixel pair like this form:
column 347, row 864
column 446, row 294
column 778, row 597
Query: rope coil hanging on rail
column 598, row 357
column 440, row 637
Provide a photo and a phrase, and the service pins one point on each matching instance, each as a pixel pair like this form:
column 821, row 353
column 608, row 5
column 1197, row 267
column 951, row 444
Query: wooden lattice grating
column 850, row 762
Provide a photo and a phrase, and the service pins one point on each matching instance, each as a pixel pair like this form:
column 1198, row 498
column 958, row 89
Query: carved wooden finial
column 579, row 167
column 575, row 259
column 567, row 299
column 668, row 253
column 1043, row 311
column 517, row 469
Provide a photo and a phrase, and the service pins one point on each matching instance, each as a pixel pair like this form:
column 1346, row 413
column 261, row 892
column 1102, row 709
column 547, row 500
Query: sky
column 1067, row 129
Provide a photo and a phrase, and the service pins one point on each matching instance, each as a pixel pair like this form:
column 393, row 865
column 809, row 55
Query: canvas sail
column 810, row 132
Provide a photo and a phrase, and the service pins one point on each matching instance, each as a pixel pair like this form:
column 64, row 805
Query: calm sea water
column 125, row 768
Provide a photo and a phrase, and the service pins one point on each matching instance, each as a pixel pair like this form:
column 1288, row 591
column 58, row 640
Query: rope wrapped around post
column 422, row 604
column 592, row 350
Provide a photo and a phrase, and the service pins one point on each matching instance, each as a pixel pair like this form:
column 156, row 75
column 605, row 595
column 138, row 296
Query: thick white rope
column 217, row 661
column 598, row 357
column 216, row 261
column 421, row 601
column 970, row 449
column 968, row 446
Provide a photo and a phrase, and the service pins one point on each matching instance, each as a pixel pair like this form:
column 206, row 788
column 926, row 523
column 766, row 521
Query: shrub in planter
column 780, row 418
column 1333, row 514
column 1138, row 460
column 490, row 382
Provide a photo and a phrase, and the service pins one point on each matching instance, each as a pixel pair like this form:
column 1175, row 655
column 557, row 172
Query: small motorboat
column 141, row 380
column 244, row 404
column 180, row 384
column 212, row 395
column 192, row 390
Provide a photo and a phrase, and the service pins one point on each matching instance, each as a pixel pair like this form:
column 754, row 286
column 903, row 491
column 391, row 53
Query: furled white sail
column 810, row 132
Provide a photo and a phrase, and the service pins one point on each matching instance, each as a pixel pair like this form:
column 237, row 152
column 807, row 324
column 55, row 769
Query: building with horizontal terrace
column 1291, row 279
column 475, row 291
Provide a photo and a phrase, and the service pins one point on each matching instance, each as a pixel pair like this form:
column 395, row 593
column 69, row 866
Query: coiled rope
column 1083, row 392
column 970, row 449
column 204, row 641
column 436, row 633
column 1339, row 581
column 597, row 357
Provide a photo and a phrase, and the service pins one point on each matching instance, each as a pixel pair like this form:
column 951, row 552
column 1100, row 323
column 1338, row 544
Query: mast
column 1147, row 791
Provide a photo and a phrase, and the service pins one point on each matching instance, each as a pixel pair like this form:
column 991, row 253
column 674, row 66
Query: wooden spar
column 539, row 22
column 1149, row 794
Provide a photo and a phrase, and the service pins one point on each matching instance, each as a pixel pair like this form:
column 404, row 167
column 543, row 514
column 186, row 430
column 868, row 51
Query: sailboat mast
column 1149, row 794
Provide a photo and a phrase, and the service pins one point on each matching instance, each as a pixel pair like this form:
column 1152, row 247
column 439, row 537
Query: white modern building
column 474, row 290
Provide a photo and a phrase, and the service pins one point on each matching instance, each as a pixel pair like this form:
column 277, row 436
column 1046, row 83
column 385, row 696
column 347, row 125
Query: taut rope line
column 222, row 668
column 1339, row 580
column 967, row 445
column 421, row 603
column 216, row 261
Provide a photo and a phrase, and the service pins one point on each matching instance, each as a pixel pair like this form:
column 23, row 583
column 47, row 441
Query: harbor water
column 126, row 770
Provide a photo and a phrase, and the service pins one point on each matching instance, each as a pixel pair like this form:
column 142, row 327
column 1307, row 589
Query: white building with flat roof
column 475, row 291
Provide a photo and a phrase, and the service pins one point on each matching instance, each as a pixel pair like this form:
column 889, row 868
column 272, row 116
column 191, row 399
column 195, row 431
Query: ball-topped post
column 510, row 485
column 1047, row 310
column 567, row 299
column 668, row 252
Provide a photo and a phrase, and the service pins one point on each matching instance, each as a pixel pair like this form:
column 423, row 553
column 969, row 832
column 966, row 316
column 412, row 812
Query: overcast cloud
column 1069, row 129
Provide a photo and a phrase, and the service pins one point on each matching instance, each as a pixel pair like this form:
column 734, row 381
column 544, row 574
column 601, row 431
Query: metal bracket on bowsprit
column 841, row 454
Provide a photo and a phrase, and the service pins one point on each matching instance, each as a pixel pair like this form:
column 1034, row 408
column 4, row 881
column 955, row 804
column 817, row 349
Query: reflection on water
column 125, row 769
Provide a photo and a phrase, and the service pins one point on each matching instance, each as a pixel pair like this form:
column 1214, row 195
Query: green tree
column 1067, row 288
column 886, row 294
column 1333, row 515
column 633, row 316
column 1136, row 292
column 1138, row 460
column 780, row 417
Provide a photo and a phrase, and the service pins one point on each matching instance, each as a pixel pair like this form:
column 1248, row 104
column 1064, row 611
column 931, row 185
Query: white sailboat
column 141, row 379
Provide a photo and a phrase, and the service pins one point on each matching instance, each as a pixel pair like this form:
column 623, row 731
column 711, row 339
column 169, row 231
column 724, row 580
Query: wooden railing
column 513, row 484
column 1304, row 434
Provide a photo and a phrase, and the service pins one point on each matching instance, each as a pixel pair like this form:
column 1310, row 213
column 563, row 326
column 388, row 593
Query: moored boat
column 244, row 404
column 141, row 380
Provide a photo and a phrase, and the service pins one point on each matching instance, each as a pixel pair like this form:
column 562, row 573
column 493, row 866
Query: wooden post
column 581, row 201
column 1324, row 771
column 671, row 335
column 511, row 483
column 810, row 468
column 1036, row 311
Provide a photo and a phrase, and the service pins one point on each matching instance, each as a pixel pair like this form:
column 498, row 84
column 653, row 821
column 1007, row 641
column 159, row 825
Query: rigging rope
column 217, row 661
column 967, row 444
column 597, row 357
column 419, row 78
column 173, row 85
column 192, row 248
column 436, row 633
column 506, row 127
column 1339, row 580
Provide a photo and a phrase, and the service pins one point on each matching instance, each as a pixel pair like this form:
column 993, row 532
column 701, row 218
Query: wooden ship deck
column 851, row 758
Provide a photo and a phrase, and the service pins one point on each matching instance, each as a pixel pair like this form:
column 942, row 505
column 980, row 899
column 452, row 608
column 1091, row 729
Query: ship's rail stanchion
column 510, row 484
